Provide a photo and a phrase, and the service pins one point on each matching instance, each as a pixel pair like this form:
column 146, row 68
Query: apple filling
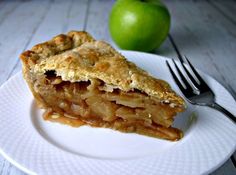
column 100, row 105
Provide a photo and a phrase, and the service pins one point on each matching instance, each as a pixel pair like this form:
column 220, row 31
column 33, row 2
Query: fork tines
column 185, row 86
column 204, row 96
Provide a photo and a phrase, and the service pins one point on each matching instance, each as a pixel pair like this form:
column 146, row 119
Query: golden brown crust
column 78, row 57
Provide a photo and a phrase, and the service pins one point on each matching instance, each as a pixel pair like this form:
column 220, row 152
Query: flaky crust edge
column 138, row 79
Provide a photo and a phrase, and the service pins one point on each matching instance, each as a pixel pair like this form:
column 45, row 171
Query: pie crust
column 81, row 81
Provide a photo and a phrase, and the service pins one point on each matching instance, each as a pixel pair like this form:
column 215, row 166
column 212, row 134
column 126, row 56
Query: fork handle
column 223, row 110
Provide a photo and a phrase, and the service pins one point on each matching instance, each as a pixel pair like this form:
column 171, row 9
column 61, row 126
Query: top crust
column 78, row 57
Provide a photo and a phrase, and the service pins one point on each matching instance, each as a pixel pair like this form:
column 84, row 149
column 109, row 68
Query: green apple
column 139, row 24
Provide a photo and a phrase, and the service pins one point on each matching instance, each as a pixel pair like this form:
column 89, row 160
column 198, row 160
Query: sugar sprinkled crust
column 78, row 57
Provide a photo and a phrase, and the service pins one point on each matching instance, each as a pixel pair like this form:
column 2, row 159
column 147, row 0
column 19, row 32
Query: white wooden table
column 205, row 31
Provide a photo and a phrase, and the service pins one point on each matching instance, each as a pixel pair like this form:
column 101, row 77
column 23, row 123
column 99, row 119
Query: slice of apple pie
column 81, row 81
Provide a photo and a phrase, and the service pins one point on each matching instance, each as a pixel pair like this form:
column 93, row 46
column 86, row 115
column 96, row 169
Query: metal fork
column 199, row 93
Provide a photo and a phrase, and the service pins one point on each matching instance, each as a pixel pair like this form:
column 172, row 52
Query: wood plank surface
column 97, row 22
column 205, row 31
column 8, row 9
column 226, row 8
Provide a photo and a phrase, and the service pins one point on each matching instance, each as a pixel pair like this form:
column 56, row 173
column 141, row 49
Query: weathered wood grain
column 7, row 169
column 97, row 23
column 8, row 9
column 226, row 8
column 77, row 16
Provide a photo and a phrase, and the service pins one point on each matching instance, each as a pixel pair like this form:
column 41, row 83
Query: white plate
column 39, row 147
